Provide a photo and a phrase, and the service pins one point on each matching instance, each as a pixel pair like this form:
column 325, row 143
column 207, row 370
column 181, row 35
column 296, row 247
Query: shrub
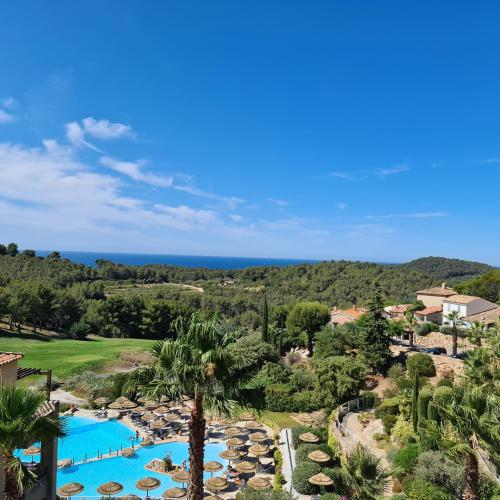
column 80, row 330
column 321, row 432
column 388, row 421
column 423, row 362
column 445, row 382
column 403, row 431
column 436, row 468
column 426, row 328
column 405, row 459
column 341, row 483
column 300, row 477
column 418, row 489
column 424, row 397
column 442, row 394
column 369, row 398
column 388, row 407
column 263, row 495
column 330, row 496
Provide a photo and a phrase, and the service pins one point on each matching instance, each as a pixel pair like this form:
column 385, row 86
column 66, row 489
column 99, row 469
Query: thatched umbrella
column 147, row 442
column 245, row 467
column 150, row 405
column 309, row 437
column 252, row 425
column 216, row 483
column 259, row 483
column 64, row 463
column 143, row 399
column 229, row 455
column 181, row 476
column 101, row 401
column 116, row 405
column 319, row 456
column 157, row 424
column 305, row 418
column 257, row 437
column 259, row 450
column 185, row 410
column 140, row 410
column 233, row 431
column 212, row 466
column 121, row 399
column 235, row 442
column 246, row 416
column 148, row 416
column 213, row 497
column 170, row 417
column 321, row 480
column 70, row 489
column 161, row 410
column 31, row 452
column 148, row 483
column 175, row 493
column 128, row 452
column 111, row 488
column 128, row 405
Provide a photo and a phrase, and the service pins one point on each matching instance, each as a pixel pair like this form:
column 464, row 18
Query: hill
column 441, row 268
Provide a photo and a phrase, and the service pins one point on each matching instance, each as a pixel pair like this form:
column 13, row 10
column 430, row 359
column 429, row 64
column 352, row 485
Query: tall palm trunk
column 410, row 338
column 196, row 449
column 454, row 340
column 471, row 477
column 11, row 488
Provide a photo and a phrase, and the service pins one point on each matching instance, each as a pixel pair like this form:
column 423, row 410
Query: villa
column 45, row 487
column 343, row 316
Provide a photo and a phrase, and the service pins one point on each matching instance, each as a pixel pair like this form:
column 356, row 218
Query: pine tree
column 265, row 319
column 376, row 334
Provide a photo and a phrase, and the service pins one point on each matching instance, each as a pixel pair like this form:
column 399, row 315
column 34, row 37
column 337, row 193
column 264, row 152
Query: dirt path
column 66, row 397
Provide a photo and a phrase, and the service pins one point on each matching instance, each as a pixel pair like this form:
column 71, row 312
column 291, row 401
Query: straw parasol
column 31, row 452
column 185, row 410
column 175, row 493
column 229, row 454
column 258, row 450
column 305, row 418
column 321, row 480
column 259, row 483
column 181, row 476
column 319, row 456
column 216, row 483
column 213, row 497
column 64, row 463
column 245, row 467
column 170, row 417
column 150, row 405
column 70, row 489
column 129, row 405
column 258, row 436
column 140, row 409
column 253, row 425
column 233, row 431
column 212, row 466
column 157, row 424
column 246, row 416
column 101, row 401
column 148, row 483
column 235, row 442
column 121, row 399
column 128, row 452
column 143, row 399
column 309, row 437
column 111, row 488
column 116, row 405
column 147, row 442
column 162, row 409
column 148, row 417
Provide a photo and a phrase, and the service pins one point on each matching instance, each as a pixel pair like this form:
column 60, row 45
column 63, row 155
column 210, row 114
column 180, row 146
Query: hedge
column 388, row 407
column 321, row 432
column 284, row 397
column 418, row 489
column 300, row 477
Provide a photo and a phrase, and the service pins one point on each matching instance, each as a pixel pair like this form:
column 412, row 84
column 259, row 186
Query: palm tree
column 475, row 332
column 471, row 420
column 455, row 320
column 367, row 477
column 411, row 326
column 20, row 427
column 198, row 364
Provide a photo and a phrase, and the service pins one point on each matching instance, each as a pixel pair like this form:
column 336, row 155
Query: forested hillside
column 441, row 268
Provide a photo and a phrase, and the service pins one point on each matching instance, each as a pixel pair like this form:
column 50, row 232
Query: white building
column 467, row 306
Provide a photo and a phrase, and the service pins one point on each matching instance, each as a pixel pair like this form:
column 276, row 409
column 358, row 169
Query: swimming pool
column 128, row 471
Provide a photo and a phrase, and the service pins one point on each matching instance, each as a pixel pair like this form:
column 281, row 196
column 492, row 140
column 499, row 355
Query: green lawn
column 65, row 356
column 281, row 419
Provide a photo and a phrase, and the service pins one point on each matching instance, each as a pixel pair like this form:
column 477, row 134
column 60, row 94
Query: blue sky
column 358, row 130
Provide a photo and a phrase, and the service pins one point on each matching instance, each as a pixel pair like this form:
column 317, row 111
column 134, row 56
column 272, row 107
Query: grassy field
column 281, row 419
column 66, row 356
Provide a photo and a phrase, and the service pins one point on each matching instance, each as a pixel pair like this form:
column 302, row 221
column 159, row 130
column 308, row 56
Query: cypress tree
column 424, row 399
column 414, row 401
column 265, row 319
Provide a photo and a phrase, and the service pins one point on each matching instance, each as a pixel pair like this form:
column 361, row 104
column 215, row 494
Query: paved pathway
column 288, row 453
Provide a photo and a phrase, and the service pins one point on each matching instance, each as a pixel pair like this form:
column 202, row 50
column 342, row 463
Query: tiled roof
column 8, row 357
column 399, row 309
column 439, row 291
column 341, row 316
column 428, row 310
column 462, row 299
column 488, row 317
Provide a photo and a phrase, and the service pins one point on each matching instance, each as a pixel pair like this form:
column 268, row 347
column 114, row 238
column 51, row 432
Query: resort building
column 467, row 306
column 46, row 469
column 343, row 316
column 433, row 297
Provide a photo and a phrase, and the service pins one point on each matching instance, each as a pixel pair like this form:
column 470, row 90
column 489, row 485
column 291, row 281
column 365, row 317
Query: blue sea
column 210, row 262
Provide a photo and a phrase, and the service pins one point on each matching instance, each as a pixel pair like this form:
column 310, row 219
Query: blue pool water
column 128, row 471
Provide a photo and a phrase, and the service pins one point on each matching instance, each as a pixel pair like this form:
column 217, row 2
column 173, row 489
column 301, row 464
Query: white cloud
column 278, row 202
column 76, row 135
column 9, row 102
column 341, row 175
column 397, row 169
column 6, row 117
column 183, row 215
column 104, row 129
column 231, row 201
column 361, row 175
column 235, row 217
column 134, row 171
column 341, row 205
column 417, row 215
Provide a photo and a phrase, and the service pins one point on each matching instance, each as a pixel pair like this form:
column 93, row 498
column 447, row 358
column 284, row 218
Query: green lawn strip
column 66, row 356
column 281, row 419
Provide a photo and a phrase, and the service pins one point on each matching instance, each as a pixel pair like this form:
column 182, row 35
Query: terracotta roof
column 342, row 316
column 439, row 291
column 8, row 357
column 429, row 310
column 462, row 299
column 399, row 309
column 485, row 317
